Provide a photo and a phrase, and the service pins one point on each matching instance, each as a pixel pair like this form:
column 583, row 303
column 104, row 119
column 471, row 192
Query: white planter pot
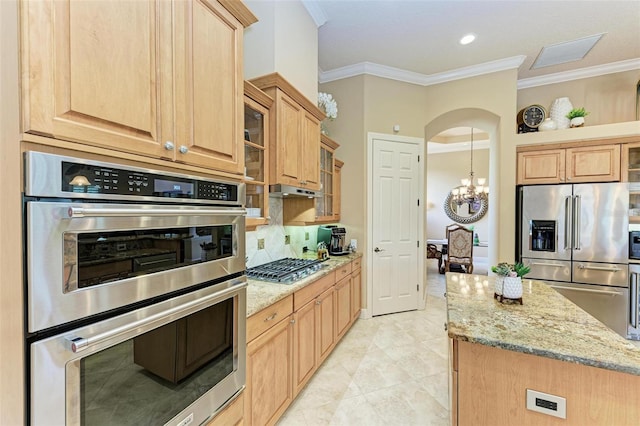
column 498, row 285
column 577, row 122
column 512, row 287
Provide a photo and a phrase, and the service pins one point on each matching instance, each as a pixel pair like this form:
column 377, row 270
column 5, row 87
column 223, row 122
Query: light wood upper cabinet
column 295, row 134
column 599, row 163
column 160, row 79
column 256, row 154
column 337, row 188
column 325, row 205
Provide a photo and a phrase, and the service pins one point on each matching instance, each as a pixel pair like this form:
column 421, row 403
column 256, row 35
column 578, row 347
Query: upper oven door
column 86, row 258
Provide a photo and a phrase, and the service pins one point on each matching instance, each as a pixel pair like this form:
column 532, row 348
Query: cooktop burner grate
column 285, row 271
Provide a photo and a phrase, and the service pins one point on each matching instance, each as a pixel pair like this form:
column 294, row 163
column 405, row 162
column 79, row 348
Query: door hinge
column 418, row 243
column 418, row 158
column 418, row 202
column 417, row 287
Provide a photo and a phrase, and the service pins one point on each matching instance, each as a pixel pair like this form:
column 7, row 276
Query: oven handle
column 77, row 212
column 78, row 344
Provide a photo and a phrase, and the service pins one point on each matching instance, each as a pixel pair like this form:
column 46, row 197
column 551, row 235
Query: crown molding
column 316, row 12
column 560, row 77
column 392, row 73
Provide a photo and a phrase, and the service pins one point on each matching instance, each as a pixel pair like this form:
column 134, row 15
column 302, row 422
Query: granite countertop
column 547, row 324
column 261, row 294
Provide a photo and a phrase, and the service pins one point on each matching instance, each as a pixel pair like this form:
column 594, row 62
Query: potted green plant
column 509, row 280
column 576, row 116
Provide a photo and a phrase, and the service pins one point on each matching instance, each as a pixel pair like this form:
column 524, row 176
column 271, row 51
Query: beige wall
column 284, row 40
column 11, row 302
column 609, row 98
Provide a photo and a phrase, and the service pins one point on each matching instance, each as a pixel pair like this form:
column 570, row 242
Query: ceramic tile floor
column 390, row 369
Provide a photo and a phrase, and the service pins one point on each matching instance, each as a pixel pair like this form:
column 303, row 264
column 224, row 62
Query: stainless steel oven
column 136, row 293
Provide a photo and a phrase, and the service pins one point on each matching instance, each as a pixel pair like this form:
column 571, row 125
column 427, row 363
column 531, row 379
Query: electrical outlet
column 287, row 239
column 306, row 236
column 545, row 403
column 260, row 243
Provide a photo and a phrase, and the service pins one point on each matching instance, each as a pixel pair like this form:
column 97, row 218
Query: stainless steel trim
column 587, row 290
column 633, row 311
column 79, row 212
column 82, row 343
column 599, row 268
column 567, row 223
column 555, row 265
column 576, row 223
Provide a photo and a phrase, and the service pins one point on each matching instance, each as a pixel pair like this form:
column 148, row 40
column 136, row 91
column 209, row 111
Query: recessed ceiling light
column 467, row 39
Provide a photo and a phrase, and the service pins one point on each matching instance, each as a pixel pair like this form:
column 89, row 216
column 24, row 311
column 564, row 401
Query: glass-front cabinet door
column 325, row 211
column 256, row 172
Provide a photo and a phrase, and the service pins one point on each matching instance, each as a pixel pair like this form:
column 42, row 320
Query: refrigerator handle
column 576, row 222
column 633, row 308
column 567, row 223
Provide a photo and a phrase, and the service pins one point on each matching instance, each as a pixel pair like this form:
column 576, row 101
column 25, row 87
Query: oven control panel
column 50, row 175
column 98, row 179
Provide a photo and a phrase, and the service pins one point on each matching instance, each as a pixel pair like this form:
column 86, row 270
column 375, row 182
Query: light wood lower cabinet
column 232, row 415
column 356, row 289
column 343, row 306
column 269, row 366
column 283, row 356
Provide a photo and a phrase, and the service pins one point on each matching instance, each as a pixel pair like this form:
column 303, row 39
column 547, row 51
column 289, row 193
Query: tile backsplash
column 274, row 238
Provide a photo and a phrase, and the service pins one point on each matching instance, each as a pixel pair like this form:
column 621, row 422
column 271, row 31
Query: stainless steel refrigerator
column 576, row 237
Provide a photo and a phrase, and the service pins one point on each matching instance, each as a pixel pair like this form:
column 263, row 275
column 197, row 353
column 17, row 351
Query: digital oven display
column 170, row 188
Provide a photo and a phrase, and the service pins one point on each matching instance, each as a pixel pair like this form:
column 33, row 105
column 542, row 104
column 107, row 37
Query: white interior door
column 395, row 219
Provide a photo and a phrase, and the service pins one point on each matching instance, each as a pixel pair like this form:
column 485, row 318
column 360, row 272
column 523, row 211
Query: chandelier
column 469, row 192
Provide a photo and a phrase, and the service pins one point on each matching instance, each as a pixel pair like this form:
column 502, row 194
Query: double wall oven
column 136, row 293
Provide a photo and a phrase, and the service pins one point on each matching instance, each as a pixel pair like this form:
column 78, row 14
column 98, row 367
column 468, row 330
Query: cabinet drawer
column 260, row 322
column 304, row 295
column 356, row 264
column 343, row 271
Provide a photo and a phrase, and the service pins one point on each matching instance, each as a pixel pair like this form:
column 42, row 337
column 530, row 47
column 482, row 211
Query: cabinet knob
column 318, row 302
column 168, row 145
column 183, row 149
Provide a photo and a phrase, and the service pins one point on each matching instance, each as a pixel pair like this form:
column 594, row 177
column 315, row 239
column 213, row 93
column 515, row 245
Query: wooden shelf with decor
column 256, row 154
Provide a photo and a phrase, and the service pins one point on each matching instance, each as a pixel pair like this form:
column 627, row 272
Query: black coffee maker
column 335, row 238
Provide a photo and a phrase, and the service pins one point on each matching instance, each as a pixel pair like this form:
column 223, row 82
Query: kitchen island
column 548, row 345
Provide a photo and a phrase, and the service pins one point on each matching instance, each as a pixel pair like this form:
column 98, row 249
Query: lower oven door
column 608, row 305
column 85, row 258
column 176, row 362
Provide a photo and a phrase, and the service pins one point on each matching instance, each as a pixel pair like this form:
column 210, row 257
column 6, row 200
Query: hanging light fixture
column 468, row 192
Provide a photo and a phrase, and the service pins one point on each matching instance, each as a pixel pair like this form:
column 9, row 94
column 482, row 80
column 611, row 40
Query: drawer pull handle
column 270, row 317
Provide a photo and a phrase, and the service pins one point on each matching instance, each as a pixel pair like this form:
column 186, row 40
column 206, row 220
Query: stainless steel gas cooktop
column 285, row 271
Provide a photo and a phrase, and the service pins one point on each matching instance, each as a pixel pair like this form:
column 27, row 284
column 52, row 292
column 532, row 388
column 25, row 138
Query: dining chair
column 459, row 248
column 434, row 253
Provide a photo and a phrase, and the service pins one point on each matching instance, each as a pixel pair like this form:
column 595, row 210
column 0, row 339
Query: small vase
column 547, row 125
column 577, row 122
column 559, row 110
column 512, row 288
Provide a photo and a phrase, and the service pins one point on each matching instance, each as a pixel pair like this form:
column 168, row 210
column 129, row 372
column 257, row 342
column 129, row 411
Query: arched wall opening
column 489, row 123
